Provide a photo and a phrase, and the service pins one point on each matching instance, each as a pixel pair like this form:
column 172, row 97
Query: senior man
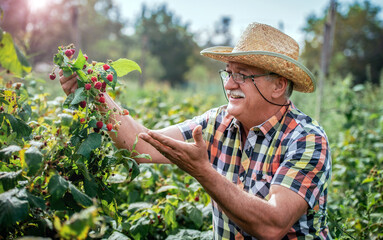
column 265, row 164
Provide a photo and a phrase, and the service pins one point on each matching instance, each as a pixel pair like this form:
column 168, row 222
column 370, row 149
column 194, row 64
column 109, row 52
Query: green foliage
column 357, row 46
column 11, row 57
column 165, row 37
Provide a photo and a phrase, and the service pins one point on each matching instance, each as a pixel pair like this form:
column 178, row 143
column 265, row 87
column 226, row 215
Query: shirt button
column 264, row 177
column 241, row 178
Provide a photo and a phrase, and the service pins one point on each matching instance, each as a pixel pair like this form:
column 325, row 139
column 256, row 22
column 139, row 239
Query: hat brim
column 281, row 64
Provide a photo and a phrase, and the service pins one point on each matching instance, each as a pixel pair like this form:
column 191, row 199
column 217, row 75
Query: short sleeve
column 204, row 120
column 306, row 169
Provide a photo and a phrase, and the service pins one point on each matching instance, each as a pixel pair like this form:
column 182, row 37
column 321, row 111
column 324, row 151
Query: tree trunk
column 328, row 37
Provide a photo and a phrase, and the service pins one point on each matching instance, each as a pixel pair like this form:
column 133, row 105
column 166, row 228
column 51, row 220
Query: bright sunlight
column 36, row 5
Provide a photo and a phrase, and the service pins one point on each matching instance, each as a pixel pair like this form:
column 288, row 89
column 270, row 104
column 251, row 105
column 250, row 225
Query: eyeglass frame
column 244, row 77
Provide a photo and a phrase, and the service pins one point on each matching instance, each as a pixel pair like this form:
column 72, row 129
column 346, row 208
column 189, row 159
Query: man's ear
column 280, row 85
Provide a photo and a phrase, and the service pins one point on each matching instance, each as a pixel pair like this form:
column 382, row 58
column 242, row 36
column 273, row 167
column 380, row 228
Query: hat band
column 273, row 54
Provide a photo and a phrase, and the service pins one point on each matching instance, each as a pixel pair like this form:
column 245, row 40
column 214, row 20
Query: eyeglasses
column 238, row 77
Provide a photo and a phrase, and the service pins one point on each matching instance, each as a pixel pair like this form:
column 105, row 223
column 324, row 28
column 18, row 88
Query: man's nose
column 230, row 84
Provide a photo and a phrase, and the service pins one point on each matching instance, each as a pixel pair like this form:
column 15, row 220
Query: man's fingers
column 157, row 145
column 165, row 140
column 197, row 135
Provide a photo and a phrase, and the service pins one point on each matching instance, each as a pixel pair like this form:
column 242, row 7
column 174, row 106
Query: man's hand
column 69, row 84
column 190, row 157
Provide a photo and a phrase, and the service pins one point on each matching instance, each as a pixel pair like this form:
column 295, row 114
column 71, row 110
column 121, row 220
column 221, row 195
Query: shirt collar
column 270, row 126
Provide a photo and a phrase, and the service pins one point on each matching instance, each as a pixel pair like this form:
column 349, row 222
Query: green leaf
column 14, row 207
column 93, row 141
column 9, row 58
column 80, row 197
column 135, row 169
column 58, row 59
column 66, row 119
column 166, row 188
column 81, row 75
column 90, row 187
column 118, row 236
column 79, row 96
column 23, row 60
column 139, row 206
column 8, row 151
column 33, row 158
column 78, row 226
column 68, row 100
column 140, row 228
column 195, row 215
column 57, row 186
column 9, row 179
column 170, row 216
column 19, row 126
column 35, row 201
column 124, row 66
column 80, row 61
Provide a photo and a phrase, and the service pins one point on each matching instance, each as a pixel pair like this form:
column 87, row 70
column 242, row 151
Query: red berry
column 102, row 100
column 86, row 57
column 88, row 86
column 109, row 77
column 83, row 104
column 196, row 198
column 73, row 51
column 1, row 109
column 125, row 112
column 84, row 66
column 68, row 53
column 82, row 120
column 52, row 76
column 99, row 124
column 106, row 67
column 103, row 85
column 109, row 126
column 97, row 85
column 90, row 71
column 94, row 79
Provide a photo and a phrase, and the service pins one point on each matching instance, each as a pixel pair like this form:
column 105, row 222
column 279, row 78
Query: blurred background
column 165, row 37
column 341, row 42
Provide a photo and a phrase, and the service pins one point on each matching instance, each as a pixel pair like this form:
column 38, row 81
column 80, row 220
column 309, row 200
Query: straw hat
column 267, row 48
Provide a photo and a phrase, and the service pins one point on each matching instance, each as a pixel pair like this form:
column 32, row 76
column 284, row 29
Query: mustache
column 235, row 92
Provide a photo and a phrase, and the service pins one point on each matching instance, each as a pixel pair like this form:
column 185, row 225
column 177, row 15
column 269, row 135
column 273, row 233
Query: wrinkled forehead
column 238, row 67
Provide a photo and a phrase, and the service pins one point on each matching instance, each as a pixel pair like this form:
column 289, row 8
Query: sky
column 203, row 14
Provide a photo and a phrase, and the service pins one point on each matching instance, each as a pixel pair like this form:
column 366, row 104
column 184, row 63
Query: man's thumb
column 197, row 134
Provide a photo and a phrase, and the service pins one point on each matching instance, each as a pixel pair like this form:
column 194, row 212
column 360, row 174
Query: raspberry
column 97, row 85
column 52, row 76
column 73, row 51
column 90, row 71
column 84, row 66
column 109, row 126
column 68, row 53
column 83, row 104
column 196, row 198
column 109, row 77
column 125, row 112
column 106, row 67
column 99, row 124
column 94, row 79
column 86, row 57
column 88, row 86
column 82, row 120
column 102, row 100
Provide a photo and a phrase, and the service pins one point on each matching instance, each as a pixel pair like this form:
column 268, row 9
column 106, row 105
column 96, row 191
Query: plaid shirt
column 289, row 149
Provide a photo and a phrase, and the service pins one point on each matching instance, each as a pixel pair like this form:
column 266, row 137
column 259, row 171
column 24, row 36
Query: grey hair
column 290, row 84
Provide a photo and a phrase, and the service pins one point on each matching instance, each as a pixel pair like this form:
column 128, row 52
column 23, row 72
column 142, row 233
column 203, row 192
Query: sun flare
column 36, row 5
